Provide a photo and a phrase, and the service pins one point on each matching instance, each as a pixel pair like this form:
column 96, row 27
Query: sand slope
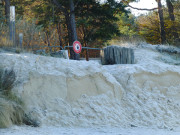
column 78, row 93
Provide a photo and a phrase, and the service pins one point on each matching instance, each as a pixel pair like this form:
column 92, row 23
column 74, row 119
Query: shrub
column 11, row 107
column 7, row 79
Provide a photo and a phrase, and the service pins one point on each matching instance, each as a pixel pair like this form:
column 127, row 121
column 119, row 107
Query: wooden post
column 20, row 40
column 12, row 25
column 87, row 55
column 66, row 56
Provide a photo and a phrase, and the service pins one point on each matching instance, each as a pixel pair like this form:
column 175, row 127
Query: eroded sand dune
column 78, row 93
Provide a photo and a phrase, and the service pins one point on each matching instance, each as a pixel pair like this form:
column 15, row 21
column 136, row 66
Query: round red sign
column 77, row 47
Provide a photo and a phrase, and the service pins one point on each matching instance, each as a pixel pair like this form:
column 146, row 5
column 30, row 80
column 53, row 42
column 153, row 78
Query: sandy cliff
column 78, row 93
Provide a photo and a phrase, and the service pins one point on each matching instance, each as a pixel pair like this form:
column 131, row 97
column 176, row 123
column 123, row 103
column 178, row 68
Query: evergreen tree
column 98, row 22
column 68, row 9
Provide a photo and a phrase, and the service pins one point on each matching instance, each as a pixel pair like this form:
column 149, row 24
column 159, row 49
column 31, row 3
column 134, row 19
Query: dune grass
column 10, row 113
column 126, row 41
column 11, row 107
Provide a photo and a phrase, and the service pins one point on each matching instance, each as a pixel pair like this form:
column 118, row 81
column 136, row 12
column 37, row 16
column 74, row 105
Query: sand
column 67, row 93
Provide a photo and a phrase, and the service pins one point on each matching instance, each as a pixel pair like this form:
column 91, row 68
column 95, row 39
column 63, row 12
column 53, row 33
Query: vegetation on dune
column 10, row 113
column 11, row 107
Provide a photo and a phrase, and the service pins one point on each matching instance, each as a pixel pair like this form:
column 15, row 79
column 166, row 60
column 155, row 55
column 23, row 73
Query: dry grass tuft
column 127, row 41
column 10, row 113
column 11, row 107
column 7, row 79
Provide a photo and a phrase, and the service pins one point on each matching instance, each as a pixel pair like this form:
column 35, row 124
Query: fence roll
column 117, row 55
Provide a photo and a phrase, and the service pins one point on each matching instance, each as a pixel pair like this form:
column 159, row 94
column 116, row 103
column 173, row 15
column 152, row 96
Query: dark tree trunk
column 59, row 34
column 170, row 10
column 73, row 28
column 7, row 10
column 48, row 41
column 72, row 20
column 161, row 19
column 87, row 53
column 85, row 43
column 70, row 37
column 69, row 34
column 172, row 18
column 71, row 25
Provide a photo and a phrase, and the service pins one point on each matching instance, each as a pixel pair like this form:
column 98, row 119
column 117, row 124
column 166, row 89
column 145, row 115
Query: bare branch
column 60, row 6
column 75, row 6
column 142, row 8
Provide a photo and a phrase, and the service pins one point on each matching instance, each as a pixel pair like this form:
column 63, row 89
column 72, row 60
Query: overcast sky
column 144, row 4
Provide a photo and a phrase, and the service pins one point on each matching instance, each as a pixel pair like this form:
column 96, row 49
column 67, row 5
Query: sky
column 144, row 4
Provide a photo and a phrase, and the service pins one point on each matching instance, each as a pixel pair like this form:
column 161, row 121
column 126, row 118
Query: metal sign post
column 12, row 25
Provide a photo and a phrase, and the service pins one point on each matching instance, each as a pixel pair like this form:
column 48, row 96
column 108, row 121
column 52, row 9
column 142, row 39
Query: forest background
column 94, row 23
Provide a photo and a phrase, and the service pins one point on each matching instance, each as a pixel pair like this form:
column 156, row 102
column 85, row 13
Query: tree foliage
column 95, row 22
column 149, row 26
column 127, row 25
